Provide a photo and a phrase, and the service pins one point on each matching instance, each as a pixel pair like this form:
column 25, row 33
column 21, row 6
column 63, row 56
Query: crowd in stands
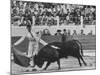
column 48, row 13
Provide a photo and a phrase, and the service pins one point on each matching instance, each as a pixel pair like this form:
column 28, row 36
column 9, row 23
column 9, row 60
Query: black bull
column 65, row 49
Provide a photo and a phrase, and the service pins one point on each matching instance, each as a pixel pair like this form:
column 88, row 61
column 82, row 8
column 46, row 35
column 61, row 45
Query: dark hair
column 58, row 30
column 64, row 30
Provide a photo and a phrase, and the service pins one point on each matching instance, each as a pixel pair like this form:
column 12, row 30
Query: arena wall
column 20, row 31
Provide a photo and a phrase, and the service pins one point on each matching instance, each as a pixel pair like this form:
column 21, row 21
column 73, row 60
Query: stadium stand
column 48, row 13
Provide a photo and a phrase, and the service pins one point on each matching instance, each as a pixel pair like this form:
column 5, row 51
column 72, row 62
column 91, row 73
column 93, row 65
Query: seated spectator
column 46, row 32
column 90, row 33
column 65, row 32
column 74, row 32
column 58, row 33
column 82, row 32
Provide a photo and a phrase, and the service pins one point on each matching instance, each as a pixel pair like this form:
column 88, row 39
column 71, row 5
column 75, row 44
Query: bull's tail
column 80, row 47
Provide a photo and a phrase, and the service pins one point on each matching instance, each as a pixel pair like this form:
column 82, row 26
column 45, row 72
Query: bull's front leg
column 48, row 63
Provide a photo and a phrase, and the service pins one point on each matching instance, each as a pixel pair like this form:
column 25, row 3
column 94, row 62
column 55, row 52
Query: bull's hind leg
column 83, row 60
column 48, row 63
column 58, row 62
column 79, row 61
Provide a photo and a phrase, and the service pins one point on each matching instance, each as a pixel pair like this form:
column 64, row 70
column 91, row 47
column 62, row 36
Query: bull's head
column 38, row 61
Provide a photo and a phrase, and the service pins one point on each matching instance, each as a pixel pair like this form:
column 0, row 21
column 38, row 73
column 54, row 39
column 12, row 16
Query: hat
column 58, row 30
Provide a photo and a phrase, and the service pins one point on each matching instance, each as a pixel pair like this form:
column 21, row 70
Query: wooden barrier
column 88, row 42
column 20, row 31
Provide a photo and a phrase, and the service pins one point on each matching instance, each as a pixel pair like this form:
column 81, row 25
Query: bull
column 65, row 49
column 48, row 54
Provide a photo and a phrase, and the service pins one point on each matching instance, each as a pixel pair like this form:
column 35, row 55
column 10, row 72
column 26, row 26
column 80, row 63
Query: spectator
column 63, row 38
column 70, row 37
column 65, row 35
column 82, row 32
column 74, row 32
column 46, row 32
column 90, row 33
column 65, row 32
column 58, row 33
column 69, row 33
